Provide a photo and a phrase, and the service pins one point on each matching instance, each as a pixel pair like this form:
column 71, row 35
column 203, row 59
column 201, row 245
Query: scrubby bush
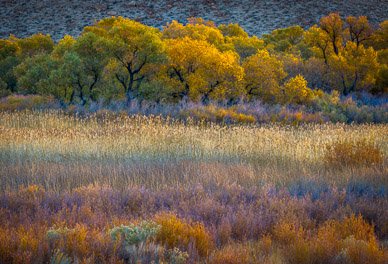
column 137, row 243
column 72, row 241
column 231, row 254
column 218, row 114
column 176, row 232
column 30, row 102
column 344, row 153
column 350, row 240
column 60, row 258
column 135, row 234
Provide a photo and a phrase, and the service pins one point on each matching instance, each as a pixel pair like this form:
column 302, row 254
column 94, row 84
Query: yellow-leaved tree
column 359, row 29
column 34, row 44
column 351, row 67
column 333, row 25
column 196, row 29
column 199, row 70
column 295, row 91
column 263, row 74
column 320, row 42
column 238, row 40
column 354, row 68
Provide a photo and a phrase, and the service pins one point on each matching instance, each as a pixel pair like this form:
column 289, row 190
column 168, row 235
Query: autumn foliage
column 119, row 58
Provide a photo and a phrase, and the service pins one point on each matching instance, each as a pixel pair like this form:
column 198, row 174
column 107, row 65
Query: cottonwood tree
column 354, row 68
column 379, row 40
column 334, row 27
column 196, row 29
column 133, row 47
column 33, row 74
column 263, row 75
column 359, row 29
column 350, row 65
column 295, row 91
column 34, row 44
column 82, row 64
column 320, row 42
column 199, row 70
column 239, row 40
column 285, row 38
column 8, row 60
column 14, row 51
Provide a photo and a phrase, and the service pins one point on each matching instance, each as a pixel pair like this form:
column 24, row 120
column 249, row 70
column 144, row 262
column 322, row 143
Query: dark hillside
column 58, row 18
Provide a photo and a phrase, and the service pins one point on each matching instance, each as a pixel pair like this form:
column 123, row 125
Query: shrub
column 358, row 153
column 175, row 232
column 137, row 243
column 357, row 251
column 134, row 235
column 30, row 102
column 21, row 244
column 218, row 114
column 350, row 240
column 175, row 256
column 231, row 254
column 144, row 252
column 60, row 258
column 71, row 241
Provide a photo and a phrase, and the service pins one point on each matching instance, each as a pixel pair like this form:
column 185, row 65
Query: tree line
column 121, row 59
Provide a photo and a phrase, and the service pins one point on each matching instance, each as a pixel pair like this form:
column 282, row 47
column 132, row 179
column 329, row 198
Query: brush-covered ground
column 119, row 188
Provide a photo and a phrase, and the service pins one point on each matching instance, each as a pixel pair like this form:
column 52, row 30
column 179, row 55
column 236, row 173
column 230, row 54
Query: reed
column 60, row 151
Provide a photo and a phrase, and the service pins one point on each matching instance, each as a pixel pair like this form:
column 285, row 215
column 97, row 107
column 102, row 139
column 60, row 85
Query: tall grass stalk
column 62, row 151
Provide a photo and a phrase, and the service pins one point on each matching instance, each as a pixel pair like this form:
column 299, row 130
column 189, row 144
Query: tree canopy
column 120, row 58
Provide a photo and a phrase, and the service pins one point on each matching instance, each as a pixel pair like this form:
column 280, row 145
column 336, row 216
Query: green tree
column 8, row 60
column 34, row 44
column 285, row 38
column 33, row 74
column 133, row 49
column 82, row 65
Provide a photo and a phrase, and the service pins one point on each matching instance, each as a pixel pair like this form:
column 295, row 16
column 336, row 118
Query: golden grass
column 60, row 151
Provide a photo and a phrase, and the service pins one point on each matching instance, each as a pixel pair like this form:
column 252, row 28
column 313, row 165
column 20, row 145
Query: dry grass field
column 113, row 188
column 60, row 152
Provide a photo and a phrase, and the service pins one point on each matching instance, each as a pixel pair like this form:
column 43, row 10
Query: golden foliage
column 345, row 153
column 263, row 73
column 175, row 232
column 199, row 69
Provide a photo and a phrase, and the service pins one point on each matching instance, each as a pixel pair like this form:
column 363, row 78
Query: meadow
column 111, row 187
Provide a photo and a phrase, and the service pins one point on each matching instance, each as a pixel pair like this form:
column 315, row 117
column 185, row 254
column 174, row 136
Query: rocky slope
column 58, row 18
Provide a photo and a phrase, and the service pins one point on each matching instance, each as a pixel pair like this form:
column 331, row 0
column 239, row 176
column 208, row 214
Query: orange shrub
column 231, row 254
column 351, row 240
column 175, row 232
column 218, row 114
column 360, row 251
column 359, row 153
column 355, row 226
column 73, row 242
column 22, row 245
